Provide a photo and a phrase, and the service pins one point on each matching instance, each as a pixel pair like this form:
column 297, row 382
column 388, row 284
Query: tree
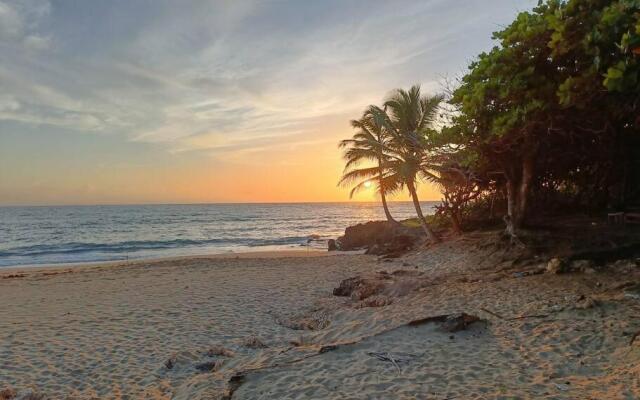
column 507, row 103
column 368, row 144
column 408, row 118
column 554, row 106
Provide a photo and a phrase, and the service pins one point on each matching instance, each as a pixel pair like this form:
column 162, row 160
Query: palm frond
column 349, row 177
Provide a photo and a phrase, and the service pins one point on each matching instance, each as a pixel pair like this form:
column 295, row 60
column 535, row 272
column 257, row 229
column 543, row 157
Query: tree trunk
column 455, row 221
column 523, row 190
column 518, row 187
column 511, row 208
column 384, row 199
column 492, row 213
column 416, row 203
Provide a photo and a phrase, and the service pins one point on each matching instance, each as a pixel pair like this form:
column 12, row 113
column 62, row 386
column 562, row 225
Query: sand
column 145, row 330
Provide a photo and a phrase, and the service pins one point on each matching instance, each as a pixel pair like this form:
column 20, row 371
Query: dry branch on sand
column 449, row 322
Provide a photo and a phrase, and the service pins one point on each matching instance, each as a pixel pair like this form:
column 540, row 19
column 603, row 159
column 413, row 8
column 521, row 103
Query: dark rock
column 346, row 287
column 359, row 288
column 208, row 366
column 169, row 363
column 232, row 385
column 7, row 394
column 327, row 348
column 367, row 288
column 385, row 236
column 332, row 245
column 364, row 235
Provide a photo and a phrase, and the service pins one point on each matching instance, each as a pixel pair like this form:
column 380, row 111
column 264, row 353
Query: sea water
column 73, row 234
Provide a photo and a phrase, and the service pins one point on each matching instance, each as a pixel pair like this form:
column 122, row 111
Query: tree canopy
column 548, row 117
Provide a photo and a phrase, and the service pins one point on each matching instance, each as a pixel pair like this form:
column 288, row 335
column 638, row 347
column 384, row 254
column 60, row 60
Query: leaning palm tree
column 408, row 118
column 368, row 145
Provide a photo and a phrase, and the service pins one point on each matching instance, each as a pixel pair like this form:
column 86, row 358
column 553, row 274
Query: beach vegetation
column 546, row 120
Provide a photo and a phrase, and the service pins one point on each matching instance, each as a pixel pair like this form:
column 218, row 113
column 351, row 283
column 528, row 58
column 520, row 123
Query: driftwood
column 528, row 316
column 493, row 313
column 451, row 323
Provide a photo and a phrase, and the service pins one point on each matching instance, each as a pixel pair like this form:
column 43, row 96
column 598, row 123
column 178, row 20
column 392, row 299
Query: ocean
column 76, row 234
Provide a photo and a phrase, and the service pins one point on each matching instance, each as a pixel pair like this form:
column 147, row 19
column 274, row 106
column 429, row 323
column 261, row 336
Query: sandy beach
column 105, row 331
column 268, row 327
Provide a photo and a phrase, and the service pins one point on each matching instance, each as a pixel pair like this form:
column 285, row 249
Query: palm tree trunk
column 416, row 203
column 384, row 199
column 386, row 208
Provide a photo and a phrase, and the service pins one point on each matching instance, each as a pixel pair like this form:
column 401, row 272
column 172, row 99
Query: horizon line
column 208, row 203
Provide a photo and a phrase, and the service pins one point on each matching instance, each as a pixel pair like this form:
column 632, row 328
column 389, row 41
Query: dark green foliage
column 552, row 110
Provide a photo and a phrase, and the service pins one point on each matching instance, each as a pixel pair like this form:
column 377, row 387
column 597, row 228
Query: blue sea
column 74, row 234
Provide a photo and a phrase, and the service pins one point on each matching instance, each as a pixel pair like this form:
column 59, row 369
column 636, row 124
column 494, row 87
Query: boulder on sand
column 363, row 235
column 378, row 237
column 359, row 288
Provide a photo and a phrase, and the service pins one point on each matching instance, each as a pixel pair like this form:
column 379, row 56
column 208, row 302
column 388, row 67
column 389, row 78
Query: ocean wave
column 37, row 235
column 142, row 245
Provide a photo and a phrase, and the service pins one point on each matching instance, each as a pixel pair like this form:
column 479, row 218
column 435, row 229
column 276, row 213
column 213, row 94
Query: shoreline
column 248, row 255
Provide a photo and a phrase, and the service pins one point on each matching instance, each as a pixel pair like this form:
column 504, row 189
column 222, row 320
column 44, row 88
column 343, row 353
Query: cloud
column 19, row 22
column 224, row 76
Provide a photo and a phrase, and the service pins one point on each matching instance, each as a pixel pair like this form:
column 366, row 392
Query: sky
column 152, row 101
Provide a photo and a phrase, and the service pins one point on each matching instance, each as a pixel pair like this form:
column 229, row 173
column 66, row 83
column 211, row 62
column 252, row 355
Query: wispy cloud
column 223, row 76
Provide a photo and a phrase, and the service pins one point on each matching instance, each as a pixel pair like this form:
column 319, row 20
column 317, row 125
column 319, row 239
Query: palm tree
column 368, row 144
column 408, row 118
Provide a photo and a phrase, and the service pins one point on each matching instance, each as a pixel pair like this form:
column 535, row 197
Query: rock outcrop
column 378, row 237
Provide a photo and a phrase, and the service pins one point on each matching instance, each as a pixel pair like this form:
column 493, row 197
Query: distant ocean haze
column 74, row 234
